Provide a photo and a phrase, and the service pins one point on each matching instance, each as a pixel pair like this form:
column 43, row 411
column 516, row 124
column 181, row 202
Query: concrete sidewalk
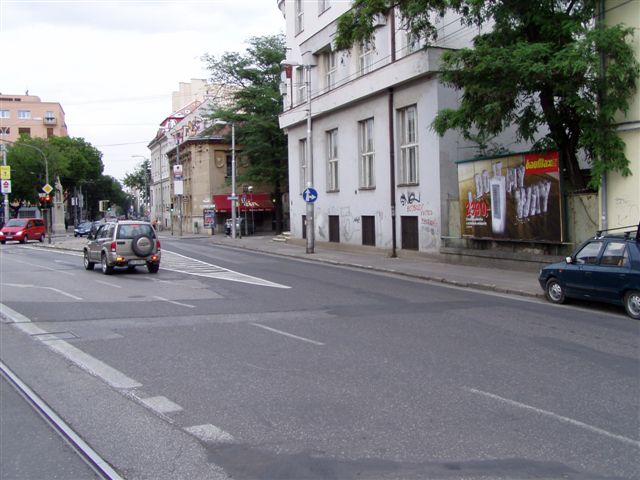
column 410, row 265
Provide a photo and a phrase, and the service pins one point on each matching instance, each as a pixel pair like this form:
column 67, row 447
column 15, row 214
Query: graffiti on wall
column 428, row 221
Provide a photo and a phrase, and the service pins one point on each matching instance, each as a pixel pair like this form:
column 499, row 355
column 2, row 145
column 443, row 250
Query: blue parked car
column 82, row 229
column 605, row 268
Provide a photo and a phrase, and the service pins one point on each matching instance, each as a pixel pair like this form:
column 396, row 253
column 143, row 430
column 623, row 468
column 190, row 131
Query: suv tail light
column 113, row 246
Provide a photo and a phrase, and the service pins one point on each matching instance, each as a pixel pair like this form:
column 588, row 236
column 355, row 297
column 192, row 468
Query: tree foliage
column 539, row 67
column 139, row 178
column 254, row 79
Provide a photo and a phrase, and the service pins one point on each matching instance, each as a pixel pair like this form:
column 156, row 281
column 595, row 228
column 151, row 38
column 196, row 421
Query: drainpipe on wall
column 392, row 175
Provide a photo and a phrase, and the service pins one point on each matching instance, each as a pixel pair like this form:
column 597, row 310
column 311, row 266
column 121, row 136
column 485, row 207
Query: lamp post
column 233, row 174
column 46, row 174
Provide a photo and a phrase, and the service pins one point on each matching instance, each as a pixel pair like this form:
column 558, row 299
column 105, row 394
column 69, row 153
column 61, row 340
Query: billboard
column 515, row 197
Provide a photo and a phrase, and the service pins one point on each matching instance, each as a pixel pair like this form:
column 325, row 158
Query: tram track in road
column 79, row 446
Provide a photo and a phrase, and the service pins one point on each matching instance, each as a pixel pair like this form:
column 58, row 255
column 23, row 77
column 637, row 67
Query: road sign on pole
column 6, row 186
column 310, row 195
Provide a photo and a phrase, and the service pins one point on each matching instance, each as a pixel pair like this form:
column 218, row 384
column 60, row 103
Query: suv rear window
column 133, row 231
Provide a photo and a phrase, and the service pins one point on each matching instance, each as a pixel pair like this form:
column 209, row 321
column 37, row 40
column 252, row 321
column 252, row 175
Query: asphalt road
column 233, row 363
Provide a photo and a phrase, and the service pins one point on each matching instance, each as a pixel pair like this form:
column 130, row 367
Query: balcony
column 49, row 120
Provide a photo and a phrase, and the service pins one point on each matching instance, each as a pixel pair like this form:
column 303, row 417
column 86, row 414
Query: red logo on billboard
column 541, row 162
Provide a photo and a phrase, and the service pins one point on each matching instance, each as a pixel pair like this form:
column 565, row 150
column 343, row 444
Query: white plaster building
column 385, row 179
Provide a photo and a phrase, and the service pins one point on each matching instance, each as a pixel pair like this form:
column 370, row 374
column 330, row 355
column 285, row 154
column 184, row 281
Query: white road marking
column 174, row 302
column 176, row 262
column 286, row 334
column 568, row 420
column 57, row 290
column 161, row 404
column 210, row 434
column 36, row 265
column 108, row 284
column 83, row 360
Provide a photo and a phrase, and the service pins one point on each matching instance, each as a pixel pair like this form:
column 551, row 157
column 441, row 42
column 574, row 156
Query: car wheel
column 554, row 291
column 106, row 268
column 153, row 267
column 632, row 304
column 25, row 239
column 142, row 245
column 88, row 264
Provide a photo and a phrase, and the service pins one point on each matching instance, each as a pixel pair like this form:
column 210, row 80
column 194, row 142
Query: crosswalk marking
column 176, row 262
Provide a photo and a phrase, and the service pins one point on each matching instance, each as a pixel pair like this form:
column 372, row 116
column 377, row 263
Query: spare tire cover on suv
column 142, row 245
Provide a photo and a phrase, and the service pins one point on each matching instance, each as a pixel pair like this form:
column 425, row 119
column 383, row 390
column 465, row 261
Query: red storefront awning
column 256, row 202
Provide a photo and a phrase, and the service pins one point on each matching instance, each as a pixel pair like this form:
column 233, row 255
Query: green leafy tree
column 106, row 188
column 139, row 179
column 254, row 79
column 539, row 67
column 84, row 160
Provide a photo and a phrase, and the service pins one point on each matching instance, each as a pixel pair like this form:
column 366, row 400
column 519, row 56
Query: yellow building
column 621, row 195
column 28, row 115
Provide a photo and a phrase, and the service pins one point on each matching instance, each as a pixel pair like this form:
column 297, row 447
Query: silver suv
column 123, row 244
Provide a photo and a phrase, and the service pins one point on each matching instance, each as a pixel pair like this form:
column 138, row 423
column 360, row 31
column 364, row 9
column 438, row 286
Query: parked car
column 605, row 268
column 123, row 244
column 82, row 229
column 23, row 229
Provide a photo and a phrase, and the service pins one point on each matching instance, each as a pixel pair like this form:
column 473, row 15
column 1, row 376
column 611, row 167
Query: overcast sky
column 113, row 65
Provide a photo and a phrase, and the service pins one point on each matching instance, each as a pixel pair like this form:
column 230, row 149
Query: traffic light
column 44, row 201
column 172, row 207
column 108, row 206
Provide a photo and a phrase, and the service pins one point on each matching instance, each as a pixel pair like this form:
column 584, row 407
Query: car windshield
column 16, row 222
column 134, row 230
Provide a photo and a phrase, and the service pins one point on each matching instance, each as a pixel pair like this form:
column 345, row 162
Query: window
column 413, row 42
column 49, row 132
column 332, row 160
column 365, row 57
column 24, row 114
column 367, row 155
column 615, row 254
column 229, row 172
column 323, row 5
column 301, row 83
column 330, row 69
column 5, row 114
column 24, row 131
column 302, row 155
column 299, row 18
column 5, row 130
column 408, row 164
column 589, row 253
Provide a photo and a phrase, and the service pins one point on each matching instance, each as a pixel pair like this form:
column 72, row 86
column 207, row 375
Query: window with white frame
column 323, row 5
column 5, row 114
column 301, row 85
column 24, row 114
column 332, row 160
column 408, row 132
column 5, row 131
column 365, row 57
column 330, row 69
column 367, row 154
column 299, row 15
column 302, row 156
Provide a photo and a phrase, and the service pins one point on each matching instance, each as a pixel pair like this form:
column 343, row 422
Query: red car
column 22, row 230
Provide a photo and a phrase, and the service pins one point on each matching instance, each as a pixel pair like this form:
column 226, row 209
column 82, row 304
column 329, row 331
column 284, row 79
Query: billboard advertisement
column 515, row 197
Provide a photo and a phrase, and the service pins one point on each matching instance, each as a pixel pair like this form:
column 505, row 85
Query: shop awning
column 249, row 202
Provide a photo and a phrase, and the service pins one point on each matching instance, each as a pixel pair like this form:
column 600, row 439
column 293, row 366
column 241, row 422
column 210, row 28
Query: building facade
column 28, row 115
column 620, row 205
column 359, row 132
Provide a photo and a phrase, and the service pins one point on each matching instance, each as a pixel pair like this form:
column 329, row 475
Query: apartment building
column 28, row 115
column 359, row 131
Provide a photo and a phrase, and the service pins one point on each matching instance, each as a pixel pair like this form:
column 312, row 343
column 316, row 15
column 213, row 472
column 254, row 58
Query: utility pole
column 309, row 154
column 6, row 195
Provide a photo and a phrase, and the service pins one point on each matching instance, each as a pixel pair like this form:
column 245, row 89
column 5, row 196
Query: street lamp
column 233, row 174
column 310, row 228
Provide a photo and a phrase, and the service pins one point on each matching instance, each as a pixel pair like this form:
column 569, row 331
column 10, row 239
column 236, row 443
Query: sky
column 113, row 64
